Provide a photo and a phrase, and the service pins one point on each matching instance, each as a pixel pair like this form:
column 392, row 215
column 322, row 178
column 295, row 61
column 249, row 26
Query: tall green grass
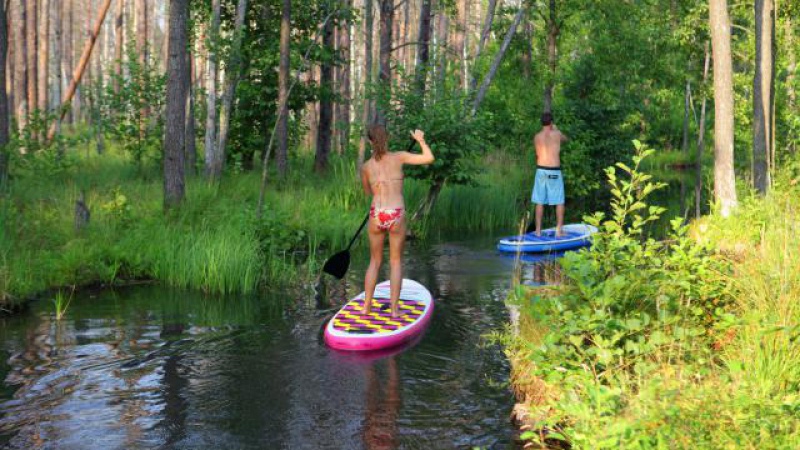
column 214, row 242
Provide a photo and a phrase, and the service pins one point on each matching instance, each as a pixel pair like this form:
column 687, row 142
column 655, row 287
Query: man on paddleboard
column 548, row 186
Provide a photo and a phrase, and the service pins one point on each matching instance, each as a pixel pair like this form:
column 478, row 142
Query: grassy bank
column 687, row 343
column 214, row 242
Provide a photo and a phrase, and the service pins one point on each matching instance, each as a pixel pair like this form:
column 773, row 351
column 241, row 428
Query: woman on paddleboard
column 382, row 178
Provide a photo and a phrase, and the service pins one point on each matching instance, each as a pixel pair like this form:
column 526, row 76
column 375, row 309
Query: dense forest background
column 475, row 75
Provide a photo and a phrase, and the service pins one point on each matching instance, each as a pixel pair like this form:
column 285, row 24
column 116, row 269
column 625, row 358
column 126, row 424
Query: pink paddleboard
column 350, row 329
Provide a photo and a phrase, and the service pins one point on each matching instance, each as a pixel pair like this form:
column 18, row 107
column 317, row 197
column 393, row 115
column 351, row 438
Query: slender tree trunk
column 58, row 58
column 552, row 40
column 487, row 80
column 213, row 161
column 233, row 71
column 724, row 181
column 527, row 52
column 487, row 27
column 459, row 42
column 4, row 109
column 20, row 63
column 385, row 57
column 368, row 51
column 423, row 50
column 79, row 70
column 701, row 143
column 33, row 60
column 282, row 156
column 791, row 69
column 685, row 144
column 142, row 47
column 178, row 75
column 762, row 95
column 326, row 99
column 442, row 47
column 44, row 50
column 343, row 115
column 119, row 36
column 191, row 139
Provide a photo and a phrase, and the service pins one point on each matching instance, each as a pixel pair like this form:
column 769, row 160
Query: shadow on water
column 149, row 367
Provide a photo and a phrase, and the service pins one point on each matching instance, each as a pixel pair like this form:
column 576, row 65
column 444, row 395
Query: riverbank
column 214, row 243
column 688, row 343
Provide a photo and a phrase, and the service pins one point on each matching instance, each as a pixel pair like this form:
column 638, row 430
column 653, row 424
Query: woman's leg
column 376, row 238
column 397, row 240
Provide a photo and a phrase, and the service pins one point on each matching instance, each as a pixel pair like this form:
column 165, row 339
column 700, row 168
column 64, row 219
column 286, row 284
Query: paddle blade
column 338, row 264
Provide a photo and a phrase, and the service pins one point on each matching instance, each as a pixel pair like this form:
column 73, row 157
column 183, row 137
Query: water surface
column 149, row 367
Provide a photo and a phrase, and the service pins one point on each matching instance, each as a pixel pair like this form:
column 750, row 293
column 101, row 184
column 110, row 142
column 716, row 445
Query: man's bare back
column 548, row 146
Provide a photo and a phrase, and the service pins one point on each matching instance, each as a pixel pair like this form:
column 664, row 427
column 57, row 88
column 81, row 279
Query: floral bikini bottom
column 386, row 217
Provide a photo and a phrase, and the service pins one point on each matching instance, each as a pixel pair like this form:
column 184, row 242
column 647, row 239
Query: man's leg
column 559, row 219
column 538, row 214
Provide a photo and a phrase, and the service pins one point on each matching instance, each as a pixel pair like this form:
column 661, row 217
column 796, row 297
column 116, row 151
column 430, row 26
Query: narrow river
column 149, row 367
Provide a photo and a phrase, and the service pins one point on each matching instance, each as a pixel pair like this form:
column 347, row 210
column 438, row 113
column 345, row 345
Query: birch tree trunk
column 282, row 156
column 232, row 70
column 213, row 161
column 177, row 99
column 487, row 80
column 724, row 181
column 762, row 95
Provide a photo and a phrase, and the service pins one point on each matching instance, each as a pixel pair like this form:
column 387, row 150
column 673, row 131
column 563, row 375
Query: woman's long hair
column 379, row 139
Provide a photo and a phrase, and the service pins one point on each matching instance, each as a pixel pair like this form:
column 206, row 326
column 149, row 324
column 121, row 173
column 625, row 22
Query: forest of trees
column 266, row 81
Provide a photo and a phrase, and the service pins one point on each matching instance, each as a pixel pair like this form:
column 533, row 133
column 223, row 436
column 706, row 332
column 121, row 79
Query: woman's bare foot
column 367, row 309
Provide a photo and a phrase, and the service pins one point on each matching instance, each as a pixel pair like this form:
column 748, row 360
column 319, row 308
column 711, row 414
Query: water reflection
column 155, row 368
column 383, row 407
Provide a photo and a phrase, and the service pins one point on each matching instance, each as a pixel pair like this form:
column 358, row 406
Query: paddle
column 338, row 264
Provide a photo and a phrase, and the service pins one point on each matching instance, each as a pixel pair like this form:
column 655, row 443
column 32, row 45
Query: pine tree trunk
column 424, row 46
column 282, row 156
column 44, row 49
column 4, row 109
column 233, row 72
column 552, row 43
column 326, row 100
column 58, row 57
column 762, row 95
column 213, row 162
column 442, row 47
column 20, row 63
column 385, row 55
column 343, row 114
column 459, row 42
column 81, row 68
column 724, row 180
column 178, row 79
column 701, row 144
column 119, row 36
column 191, row 142
column 369, row 22
column 33, row 50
